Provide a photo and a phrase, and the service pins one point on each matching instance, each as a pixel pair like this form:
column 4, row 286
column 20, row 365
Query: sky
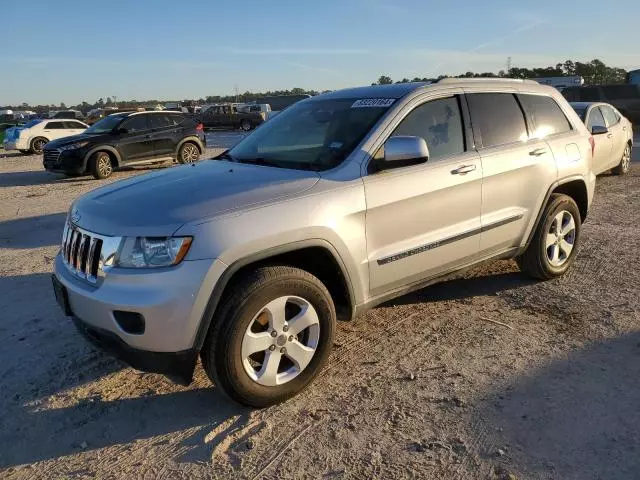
column 75, row 50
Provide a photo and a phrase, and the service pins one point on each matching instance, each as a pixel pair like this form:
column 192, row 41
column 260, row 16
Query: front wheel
column 101, row 166
column 245, row 125
column 271, row 336
column 625, row 162
column 555, row 242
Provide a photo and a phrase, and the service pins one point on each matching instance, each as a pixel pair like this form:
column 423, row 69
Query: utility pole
column 236, row 90
column 115, row 100
column 508, row 65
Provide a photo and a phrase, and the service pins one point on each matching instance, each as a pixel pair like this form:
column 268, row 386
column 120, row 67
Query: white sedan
column 33, row 136
column 612, row 134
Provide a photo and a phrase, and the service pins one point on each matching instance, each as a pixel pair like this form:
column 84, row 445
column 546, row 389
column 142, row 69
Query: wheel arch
column 574, row 187
column 103, row 148
column 192, row 139
column 316, row 256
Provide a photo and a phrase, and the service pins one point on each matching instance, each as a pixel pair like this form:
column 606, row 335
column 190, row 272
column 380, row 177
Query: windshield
column 105, row 125
column 32, row 123
column 310, row 135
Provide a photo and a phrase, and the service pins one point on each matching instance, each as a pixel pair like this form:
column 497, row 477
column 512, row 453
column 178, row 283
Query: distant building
column 561, row 82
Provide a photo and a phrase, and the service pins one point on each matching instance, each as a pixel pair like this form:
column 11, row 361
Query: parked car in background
column 626, row 98
column 35, row 134
column 279, row 102
column 71, row 114
column 99, row 113
column 612, row 134
column 121, row 139
column 4, row 126
column 228, row 116
column 341, row 202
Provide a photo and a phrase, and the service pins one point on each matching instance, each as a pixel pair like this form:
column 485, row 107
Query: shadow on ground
column 577, row 418
column 32, row 232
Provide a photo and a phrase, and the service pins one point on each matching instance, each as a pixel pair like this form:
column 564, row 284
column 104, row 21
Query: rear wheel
column 555, row 242
column 271, row 336
column 625, row 162
column 37, row 145
column 188, row 153
column 101, row 166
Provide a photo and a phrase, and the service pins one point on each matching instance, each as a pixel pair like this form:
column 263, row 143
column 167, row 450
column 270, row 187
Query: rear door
column 135, row 142
column 517, row 169
column 603, row 142
column 165, row 128
column 424, row 219
column 74, row 128
column 56, row 129
column 617, row 133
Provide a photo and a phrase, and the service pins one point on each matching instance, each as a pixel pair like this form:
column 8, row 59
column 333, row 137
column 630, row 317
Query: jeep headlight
column 147, row 252
column 73, row 146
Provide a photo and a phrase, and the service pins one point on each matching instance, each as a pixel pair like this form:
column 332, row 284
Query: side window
column 55, row 126
column 75, row 125
column 498, row 117
column 595, row 119
column 589, row 94
column 439, row 122
column 548, row 117
column 609, row 115
column 137, row 123
column 175, row 119
column 159, row 120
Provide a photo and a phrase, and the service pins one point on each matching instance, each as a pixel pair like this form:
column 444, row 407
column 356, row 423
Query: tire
column 243, row 315
column 547, row 257
column 188, row 153
column 101, row 165
column 37, row 144
column 625, row 162
column 245, row 125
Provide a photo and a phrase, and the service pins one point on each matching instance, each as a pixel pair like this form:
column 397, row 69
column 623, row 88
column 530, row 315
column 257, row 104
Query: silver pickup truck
column 341, row 202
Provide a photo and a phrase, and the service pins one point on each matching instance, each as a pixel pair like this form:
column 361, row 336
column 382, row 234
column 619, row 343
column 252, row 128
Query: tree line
column 594, row 72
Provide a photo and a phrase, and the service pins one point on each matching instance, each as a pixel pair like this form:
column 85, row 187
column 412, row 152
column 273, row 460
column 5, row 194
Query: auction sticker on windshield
column 373, row 102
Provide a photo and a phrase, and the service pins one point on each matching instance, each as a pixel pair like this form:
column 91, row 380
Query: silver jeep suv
column 339, row 203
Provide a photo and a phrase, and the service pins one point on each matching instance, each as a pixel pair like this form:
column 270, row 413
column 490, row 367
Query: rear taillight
column 592, row 142
column 200, row 127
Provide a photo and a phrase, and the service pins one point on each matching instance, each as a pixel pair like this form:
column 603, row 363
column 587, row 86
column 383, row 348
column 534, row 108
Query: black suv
column 131, row 138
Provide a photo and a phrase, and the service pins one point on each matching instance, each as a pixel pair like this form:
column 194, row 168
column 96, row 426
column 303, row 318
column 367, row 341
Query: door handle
column 538, row 152
column 464, row 169
column 610, row 135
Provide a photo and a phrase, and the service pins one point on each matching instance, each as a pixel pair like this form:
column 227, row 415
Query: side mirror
column 599, row 130
column 402, row 151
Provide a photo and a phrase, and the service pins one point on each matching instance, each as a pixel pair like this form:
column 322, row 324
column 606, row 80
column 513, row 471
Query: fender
column 553, row 186
column 222, row 282
column 108, row 148
column 190, row 138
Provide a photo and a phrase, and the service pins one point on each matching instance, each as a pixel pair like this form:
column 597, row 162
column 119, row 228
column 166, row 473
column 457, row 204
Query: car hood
column 61, row 142
column 157, row 204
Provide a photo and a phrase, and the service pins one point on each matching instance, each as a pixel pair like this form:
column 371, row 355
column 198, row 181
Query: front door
column 424, row 219
column 135, row 142
column 603, row 142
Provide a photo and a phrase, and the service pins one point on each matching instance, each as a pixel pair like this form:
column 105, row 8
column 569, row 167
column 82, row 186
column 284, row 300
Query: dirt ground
column 427, row 386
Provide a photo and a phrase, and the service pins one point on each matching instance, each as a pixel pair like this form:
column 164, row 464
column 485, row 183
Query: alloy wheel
column 190, row 153
column 560, row 238
column 280, row 341
column 104, row 165
column 626, row 159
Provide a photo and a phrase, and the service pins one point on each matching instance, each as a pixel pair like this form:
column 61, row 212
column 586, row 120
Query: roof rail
column 485, row 79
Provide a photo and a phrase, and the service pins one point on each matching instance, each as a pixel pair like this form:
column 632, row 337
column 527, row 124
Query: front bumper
column 170, row 300
column 68, row 161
